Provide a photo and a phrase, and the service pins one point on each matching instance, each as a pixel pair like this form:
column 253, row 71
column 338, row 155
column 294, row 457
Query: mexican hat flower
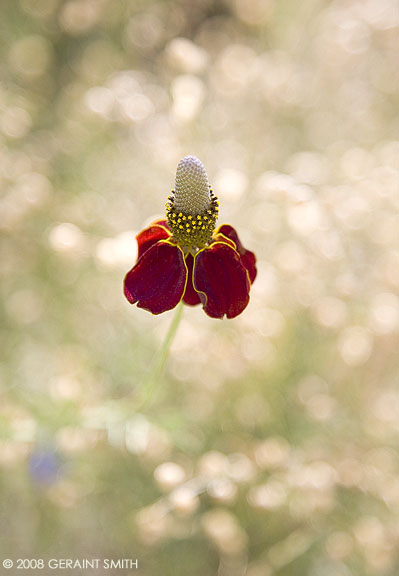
column 184, row 257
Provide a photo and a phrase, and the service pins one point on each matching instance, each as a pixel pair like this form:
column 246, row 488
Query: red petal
column 190, row 296
column 221, row 280
column 158, row 280
column 150, row 236
column 161, row 222
column 222, row 238
column 248, row 258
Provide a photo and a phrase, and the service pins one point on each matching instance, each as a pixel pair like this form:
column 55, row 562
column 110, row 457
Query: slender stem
column 154, row 377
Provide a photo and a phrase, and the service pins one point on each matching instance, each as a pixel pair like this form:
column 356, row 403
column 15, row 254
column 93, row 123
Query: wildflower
column 44, row 466
column 183, row 257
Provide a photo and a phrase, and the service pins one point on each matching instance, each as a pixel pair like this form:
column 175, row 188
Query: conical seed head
column 191, row 187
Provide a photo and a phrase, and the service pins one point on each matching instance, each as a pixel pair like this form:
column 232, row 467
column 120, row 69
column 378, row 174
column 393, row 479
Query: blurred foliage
column 271, row 447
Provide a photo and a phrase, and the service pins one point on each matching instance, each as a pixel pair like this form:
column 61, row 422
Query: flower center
column 192, row 209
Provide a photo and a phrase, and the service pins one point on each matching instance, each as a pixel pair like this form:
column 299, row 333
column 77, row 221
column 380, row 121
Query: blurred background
column 271, row 445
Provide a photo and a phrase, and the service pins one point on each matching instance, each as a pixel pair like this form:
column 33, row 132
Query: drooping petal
column 161, row 222
column 190, row 297
column 248, row 258
column 221, row 280
column 151, row 235
column 158, row 280
column 218, row 237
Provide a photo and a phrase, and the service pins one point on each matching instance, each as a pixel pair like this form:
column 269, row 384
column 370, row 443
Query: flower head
column 184, row 258
column 192, row 209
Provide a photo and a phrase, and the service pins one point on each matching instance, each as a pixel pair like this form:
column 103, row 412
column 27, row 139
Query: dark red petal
column 222, row 238
column 248, row 258
column 158, row 280
column 161, row 222
column 150, row 236
column 190, row 296
column 221, row 280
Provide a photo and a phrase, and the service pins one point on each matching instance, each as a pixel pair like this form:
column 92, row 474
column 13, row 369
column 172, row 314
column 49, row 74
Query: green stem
column 154, row 378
